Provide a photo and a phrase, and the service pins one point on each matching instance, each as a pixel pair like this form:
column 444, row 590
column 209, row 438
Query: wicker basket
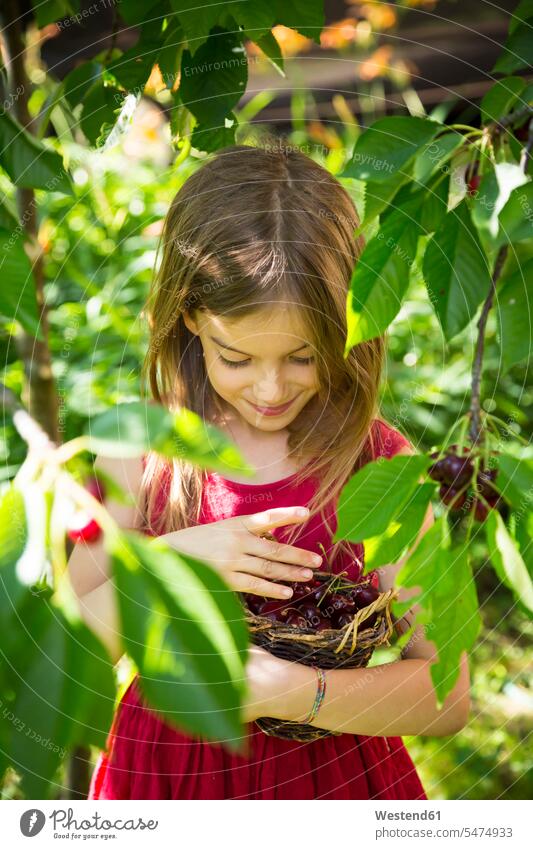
column 345, row 648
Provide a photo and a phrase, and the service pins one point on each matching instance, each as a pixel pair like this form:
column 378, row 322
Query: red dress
column 146, row 758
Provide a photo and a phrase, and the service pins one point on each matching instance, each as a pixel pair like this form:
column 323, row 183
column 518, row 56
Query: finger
column 283, row 553
column 257, row 523
column 273, row 570
column 245, row 583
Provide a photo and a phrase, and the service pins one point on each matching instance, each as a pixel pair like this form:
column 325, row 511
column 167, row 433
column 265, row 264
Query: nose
column 269, row 389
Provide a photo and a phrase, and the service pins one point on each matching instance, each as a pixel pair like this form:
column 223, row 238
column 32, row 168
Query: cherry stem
column 501, row 422
column 475, row 406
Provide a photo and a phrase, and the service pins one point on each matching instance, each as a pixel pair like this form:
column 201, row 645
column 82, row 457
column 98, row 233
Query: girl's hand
column 264, row 676
column 234, row 547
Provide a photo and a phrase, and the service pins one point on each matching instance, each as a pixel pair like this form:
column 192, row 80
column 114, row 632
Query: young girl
column 247, row 317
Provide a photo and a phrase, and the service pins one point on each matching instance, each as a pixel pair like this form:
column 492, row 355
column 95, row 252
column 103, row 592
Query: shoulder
column 386, row 440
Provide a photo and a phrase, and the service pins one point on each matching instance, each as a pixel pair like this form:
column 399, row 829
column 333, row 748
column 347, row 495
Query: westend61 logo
column 31, row 822
column 64, row 824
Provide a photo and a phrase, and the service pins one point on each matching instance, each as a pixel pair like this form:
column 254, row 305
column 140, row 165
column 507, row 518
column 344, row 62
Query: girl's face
column 259, row 363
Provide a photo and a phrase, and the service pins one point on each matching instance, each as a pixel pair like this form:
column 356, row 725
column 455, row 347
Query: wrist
column 297, row 691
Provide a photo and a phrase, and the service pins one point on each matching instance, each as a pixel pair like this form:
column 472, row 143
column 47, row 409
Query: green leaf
column 18, row 301
column 523, row 537
column 448, row 600
column 494, row 191
column 130, row 430
column 516, row 217
column 390, row 546
column 514, row 480
column 272, row 50
column 50, row 11
column 455, row 620
column 305, row 16
column 30, row 163
column 501, row 98
column 209, row 138
column 197, row 21
column 433, row 156
column 388, row 145
column 63, row 687
column 515, row 316
column 101, row 105
column 137, row 11
column 13, row 541
column 9, row 219
column 378, row 196
column 518, row 50
column 507, row 560
column 381, row 275
column 185, row 630
column 169, row 56
column 78, row 82
column 523, row 10
column 134, row 66
column 257, row 18
column 214, row 80
column 456, row 271
column 375, row 495
column 435, row 204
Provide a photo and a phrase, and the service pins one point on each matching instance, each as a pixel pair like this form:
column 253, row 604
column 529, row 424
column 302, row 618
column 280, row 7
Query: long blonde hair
column 252, row 226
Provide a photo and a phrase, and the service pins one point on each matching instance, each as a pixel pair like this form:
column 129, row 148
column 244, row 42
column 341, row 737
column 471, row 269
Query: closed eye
column 304, row 361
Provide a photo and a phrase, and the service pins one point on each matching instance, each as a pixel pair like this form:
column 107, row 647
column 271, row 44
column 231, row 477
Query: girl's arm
column 393, row 699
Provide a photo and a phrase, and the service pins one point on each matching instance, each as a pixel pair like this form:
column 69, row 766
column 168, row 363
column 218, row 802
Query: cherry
column 365, row 595
column 452, row 495
column 473, row 184
column 480, row 510
column 436, row 471
column 370, row 622
column 96, row 488
column 457, row 471
column 296, row 619
column 254, row 602
column 275, row 610
column 323, row 624
column 522, row 133
column 338, row 602
column 302, row 591
column 83, row 528
column 484, row 482
column 340, row 618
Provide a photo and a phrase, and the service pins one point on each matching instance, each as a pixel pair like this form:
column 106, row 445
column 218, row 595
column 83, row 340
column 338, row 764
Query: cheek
column 226, row 380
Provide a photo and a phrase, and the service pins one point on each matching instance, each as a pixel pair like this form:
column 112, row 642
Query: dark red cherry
column 340, row 618
column 323, row 624
column 473, row 184
column 369, row 623
column 254, row 602
column 457, row 471
column 451, row 495
column 96, row 488
column 296, row 619
column 481, row 511
column 312, row 613
column 275, row 610
column 365, row 595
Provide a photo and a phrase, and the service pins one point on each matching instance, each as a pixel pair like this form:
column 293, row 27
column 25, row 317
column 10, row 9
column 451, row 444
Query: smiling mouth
column 272, row 410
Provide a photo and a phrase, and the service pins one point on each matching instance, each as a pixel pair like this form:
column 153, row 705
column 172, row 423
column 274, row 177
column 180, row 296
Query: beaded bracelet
column 319, row 698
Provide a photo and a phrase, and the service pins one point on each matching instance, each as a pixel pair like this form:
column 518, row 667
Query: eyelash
column 303, row 361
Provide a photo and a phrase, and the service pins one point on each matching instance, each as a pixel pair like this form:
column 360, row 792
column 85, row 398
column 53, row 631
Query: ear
column 190, row 321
